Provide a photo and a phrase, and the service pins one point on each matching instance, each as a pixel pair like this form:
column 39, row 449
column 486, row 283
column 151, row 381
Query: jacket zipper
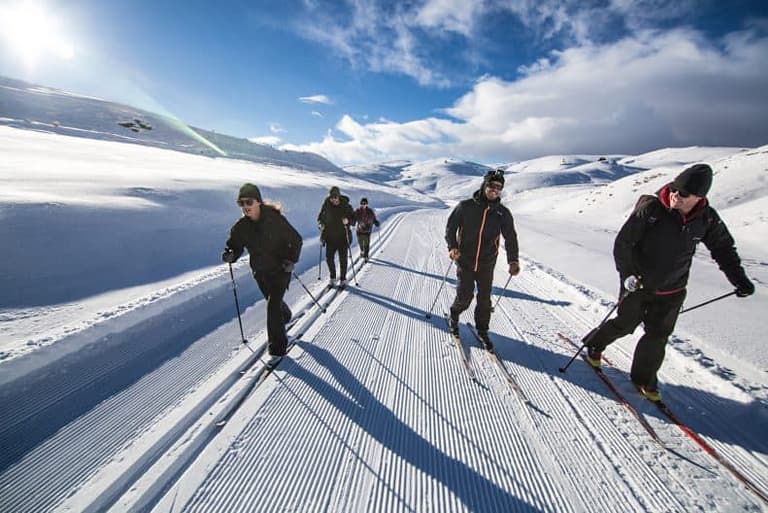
column 480, row 238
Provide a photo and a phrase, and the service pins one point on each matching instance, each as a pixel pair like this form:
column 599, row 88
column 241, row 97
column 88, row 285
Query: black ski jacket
column 474, row 227
column 365, row 219
column 657, row 243
column 270, row 240
column 329, row 219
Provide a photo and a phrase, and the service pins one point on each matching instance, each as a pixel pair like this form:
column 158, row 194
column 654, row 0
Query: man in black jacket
column 472, row 234
column 653, row 253
column 333, row 220
column 274, row 247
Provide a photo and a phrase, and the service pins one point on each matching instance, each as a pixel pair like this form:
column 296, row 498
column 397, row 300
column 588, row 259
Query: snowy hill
column 739, row 191
column 448, row 179
column 124, row 384
column 45, row 109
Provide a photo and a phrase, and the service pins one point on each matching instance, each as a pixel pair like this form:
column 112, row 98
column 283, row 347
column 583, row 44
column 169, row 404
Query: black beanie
column 334, row 191
column 494, row 175
column 249, row 190
column 697, row 180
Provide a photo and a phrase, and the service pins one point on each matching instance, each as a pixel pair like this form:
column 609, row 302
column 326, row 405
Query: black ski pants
column 658, row 313
column 273, row 286
column 364, row 240
column 331, row 248
column 467, row 278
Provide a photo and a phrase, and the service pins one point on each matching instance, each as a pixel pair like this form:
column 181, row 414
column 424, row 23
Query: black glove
column 228, row 256
column 288, row 266
column 744, row 287
column 376, row 223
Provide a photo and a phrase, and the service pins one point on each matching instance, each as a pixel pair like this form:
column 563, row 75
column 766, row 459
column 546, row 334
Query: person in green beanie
column 273, row 247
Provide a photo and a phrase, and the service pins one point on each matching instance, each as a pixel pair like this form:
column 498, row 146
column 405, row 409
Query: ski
column 265, row 371
column 690, row 433
column 456, row 341
column 260, row 377
column 667, row 412
column 619, row 396
column 511, row 381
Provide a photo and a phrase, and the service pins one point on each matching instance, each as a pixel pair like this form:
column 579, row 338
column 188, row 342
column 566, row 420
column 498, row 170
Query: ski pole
column 237, row 304
column 351, row 262
column 708, row 302
column 320, row 262
column 493, row 308
column 592, row 334
column 308, row 292
column 429, row 314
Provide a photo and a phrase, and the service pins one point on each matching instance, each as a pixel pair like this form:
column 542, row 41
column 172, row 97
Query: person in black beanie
column 334, row 220
column 274, row 247
column 472, row 234
column 653, row 253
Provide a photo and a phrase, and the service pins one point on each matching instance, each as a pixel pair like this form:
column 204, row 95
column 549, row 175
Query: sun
column 31, row 32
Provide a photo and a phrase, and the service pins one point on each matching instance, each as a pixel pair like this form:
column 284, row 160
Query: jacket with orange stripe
column 474, row 227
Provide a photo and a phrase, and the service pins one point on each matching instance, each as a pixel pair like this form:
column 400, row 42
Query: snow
column 120, row 349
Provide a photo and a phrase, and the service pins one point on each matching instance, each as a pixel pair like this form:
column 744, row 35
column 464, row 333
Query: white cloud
column 375, row 36
column 316, row 99
column 317, row 114
column 269, row 140
column 275, row 128
column 406, row 37
column 650, row 90
column 458, row 16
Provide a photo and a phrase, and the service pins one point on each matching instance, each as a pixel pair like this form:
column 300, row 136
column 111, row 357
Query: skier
column 333, row 221
column 653, row 253
column 274, row 247
column 365, row 219
column 472, row 234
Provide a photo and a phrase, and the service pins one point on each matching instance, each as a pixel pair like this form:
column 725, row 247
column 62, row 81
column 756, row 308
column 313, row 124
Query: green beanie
column 249, row 190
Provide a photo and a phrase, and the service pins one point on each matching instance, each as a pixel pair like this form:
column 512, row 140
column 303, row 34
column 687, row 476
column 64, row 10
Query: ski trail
column 382, row 393
column 375, row 413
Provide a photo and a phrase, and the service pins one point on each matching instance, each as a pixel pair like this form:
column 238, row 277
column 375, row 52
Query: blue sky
column 361, row 81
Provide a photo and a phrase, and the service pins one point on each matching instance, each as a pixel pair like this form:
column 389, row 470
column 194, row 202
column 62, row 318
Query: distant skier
column 274, row 247
column 334, row 219
column 472, row 234
column 365, row 219
column 653, row 253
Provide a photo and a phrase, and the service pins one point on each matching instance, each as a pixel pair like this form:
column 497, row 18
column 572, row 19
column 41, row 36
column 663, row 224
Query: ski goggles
column 245, row 202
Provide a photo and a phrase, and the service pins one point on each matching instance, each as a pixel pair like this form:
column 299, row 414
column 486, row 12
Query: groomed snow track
column 372, row 410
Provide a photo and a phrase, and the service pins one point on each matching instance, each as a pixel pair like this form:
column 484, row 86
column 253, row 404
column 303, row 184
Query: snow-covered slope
column 124, row 385
column 89, row 218
column 30, row 106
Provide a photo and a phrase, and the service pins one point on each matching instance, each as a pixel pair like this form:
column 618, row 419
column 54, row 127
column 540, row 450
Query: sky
column 365, row 81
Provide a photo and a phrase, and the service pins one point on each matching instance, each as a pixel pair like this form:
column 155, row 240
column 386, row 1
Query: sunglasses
column 246, row 202
column 495, row 186
column 335, row 198
column 679, row 192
